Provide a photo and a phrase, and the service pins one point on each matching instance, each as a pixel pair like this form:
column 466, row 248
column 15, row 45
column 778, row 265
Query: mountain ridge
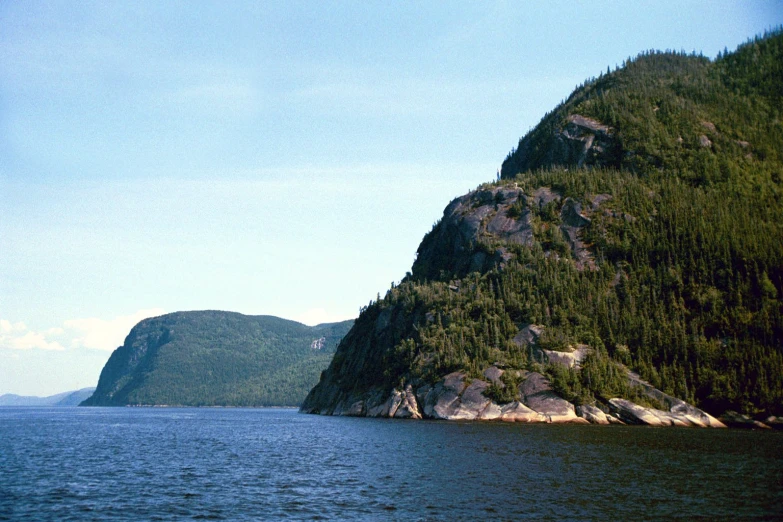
column 216, row 358
column 639, row 223
column 69, row 398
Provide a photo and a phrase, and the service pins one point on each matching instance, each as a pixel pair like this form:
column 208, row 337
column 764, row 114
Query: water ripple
column 214, row 464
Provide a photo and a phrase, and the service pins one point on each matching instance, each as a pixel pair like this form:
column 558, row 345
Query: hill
column 214, row 358
column 70, row 398
column 629, row 262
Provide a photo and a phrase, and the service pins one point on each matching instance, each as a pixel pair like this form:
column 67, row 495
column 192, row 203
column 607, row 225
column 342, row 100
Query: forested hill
column 214, row 358
column 699, row 120
column 638, row 227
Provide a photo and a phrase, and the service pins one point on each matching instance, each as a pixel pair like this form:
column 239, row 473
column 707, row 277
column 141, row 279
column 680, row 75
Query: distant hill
column 71, row 398
column 215, row 358
column 636, row 234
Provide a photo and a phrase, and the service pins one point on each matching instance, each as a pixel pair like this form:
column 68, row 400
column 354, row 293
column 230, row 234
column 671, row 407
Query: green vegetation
column 507, row 390
column 686, row 242
column 660, row 105
column 216, row 358
column 600, row 377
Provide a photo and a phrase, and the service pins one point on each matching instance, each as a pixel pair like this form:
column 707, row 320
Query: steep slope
column 699, row 120
column 631, row 255
column 214, row 358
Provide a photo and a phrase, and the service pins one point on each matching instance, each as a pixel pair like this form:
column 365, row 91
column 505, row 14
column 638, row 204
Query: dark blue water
column 228, row 464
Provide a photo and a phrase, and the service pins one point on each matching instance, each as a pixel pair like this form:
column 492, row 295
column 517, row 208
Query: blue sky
column 279, row 158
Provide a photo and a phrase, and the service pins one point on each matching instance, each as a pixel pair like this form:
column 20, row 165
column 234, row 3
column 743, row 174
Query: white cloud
column 316, row 316
column 101, row 334
column 7, row 326
column 16, row 336
column 35, row 340
column 92, row 332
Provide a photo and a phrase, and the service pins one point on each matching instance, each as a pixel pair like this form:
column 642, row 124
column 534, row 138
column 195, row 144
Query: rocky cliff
column 574, row 140
column 529, row 397
column 479, row 230
column 627, row 267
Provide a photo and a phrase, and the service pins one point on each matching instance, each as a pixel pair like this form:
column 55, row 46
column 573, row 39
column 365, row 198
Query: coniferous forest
column 215, row 358
column 677, row 183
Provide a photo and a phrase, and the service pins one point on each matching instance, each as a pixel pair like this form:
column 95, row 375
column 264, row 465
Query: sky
column 281, row 158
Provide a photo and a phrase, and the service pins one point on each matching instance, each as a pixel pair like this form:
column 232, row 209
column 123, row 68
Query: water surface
column 257, row 464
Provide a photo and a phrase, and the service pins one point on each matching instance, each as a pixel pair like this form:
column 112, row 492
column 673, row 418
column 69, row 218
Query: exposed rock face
column 635, row 414
column 493, row 374
column 584, row 140
column 774, row 422
column 351, row 409
column 592, row 414
column 537, row 394
column 571, row 214
column 458, row 244
column 528, row 334
column 454, row 245
column 503, row 254
column 518, row 412
column 576, row 141
column 568, row 359
column 573, row 221
column 679, row 415
column 409, row 408
column 457, row 397
column 442, row 401
column 679, row 410
column 454, row 398
column 388, row 408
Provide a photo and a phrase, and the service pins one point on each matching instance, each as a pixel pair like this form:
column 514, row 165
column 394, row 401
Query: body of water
column 268, row 464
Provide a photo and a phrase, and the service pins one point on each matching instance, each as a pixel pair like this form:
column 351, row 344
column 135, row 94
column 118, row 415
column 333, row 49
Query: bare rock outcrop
column 573, row 222
column 456, row 397
column 679, row 411
column 453, row 399
column 459, row 397
column 632, row 413
column 493, row 374
column 576, row 141
column 454, row 246
column 439, row 402
column 572, row 359
column 387, row 408
column 537, row 394
column 528, row 335
column 409, row 407
column 518, row 412
column 459, row 243
column 349, row 408
column 592, row 414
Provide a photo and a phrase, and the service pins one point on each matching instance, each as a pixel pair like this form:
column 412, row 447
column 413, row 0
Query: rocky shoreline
column 456, row 397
